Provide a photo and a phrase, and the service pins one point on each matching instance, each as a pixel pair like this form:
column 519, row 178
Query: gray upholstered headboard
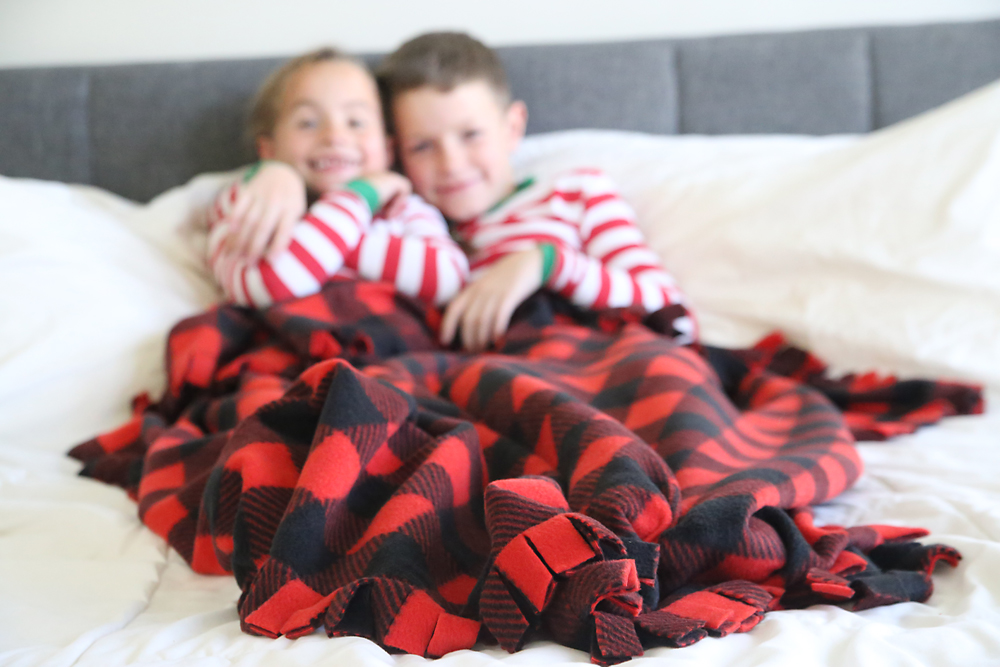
column 140, row 129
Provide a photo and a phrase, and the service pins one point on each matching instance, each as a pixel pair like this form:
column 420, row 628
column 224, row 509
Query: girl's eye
column 305, row 124
column 471, row 135
column 422, row 147
column 356, row 123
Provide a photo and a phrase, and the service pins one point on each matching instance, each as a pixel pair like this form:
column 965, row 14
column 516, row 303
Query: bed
column 839, row 186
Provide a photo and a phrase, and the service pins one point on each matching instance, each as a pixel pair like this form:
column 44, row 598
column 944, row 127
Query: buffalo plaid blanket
column 591, row 481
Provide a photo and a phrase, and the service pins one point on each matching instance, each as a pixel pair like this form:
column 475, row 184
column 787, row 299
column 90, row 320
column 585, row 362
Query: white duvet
column 878, row 252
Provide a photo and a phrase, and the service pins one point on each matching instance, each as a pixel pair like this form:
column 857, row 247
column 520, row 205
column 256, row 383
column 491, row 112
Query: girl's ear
column 265, row 148
column 517, row 121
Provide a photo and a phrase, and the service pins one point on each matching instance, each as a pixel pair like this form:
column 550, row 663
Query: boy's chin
column 474, row 201
column 460, row 211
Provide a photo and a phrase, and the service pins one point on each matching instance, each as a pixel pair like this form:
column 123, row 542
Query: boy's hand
column 392, row 189
column 484, row 307
column 266, row 212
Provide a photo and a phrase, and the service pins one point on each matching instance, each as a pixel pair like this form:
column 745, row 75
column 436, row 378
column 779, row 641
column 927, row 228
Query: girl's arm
column 414, row 251
column 328, row 232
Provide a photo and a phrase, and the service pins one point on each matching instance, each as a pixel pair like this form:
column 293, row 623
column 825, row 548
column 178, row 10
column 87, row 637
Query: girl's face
column 329, row 126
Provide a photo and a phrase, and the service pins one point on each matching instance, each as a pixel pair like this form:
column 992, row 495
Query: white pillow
column 878, row 252
column 90, row 283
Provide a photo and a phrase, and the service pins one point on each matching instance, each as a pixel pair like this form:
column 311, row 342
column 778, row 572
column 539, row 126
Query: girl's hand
column 392, row 189
column 265, row 213
column 484, row 307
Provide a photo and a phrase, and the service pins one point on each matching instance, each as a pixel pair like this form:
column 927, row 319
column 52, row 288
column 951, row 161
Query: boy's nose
column 451, row 159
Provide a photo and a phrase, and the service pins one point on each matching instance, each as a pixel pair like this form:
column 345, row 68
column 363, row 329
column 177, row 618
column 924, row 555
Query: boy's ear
column 517, row 121
column 265, row 148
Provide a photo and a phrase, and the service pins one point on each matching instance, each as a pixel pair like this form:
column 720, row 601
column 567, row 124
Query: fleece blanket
column 590, row 481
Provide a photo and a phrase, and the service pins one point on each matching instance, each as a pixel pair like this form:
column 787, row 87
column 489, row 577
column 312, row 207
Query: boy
column 456, row 128
column 317, row 125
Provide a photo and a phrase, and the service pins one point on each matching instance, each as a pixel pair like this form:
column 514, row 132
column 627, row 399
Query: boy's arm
column 223, row 204
column 422, row 260
column 484, row 308
column 270, row 200
column 616, row 268
column 328, row 232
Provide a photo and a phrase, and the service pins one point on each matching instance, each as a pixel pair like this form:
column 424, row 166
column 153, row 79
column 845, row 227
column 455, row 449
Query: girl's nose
column 332, row 133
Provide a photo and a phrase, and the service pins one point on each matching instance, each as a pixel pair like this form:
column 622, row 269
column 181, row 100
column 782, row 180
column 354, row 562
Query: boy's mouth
column 449, row 189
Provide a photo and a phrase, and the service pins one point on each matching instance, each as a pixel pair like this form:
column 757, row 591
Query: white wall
column 47, row 32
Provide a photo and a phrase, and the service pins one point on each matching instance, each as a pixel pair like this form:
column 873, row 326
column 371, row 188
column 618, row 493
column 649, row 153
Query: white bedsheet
column 89, row 285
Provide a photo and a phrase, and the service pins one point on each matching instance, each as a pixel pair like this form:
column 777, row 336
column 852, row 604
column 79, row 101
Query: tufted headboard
column 140, row 129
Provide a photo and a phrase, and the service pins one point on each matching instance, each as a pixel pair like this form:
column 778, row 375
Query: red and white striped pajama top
column 601, row 258
column 339, row 236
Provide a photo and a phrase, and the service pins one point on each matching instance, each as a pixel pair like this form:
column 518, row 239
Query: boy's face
column 329, row 126
column 456, row 146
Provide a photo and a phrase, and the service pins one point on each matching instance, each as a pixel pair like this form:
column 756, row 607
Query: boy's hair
column 264, row 112
column 441, row 60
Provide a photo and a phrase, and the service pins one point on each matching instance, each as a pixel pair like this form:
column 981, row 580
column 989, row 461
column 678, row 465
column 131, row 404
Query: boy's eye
column 421, row 147
column 356, row 123
column 470, row 135
column 306, row 124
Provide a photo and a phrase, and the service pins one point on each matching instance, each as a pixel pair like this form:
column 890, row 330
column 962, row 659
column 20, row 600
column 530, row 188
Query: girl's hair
column 264, row 112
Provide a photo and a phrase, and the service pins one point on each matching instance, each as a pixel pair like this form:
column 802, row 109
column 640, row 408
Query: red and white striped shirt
column 338, row 236
column 601, row 259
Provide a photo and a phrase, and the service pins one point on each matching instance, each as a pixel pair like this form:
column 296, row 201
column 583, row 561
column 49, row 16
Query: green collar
column 523, row 185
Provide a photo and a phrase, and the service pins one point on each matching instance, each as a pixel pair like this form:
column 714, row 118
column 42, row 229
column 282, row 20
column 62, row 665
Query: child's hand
column 392, row 189
column 484, row 307
column 266, row 212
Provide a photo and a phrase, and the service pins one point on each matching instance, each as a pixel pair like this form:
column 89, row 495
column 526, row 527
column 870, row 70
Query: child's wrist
column 366, row 191
column 548, row 251
column 254, row 168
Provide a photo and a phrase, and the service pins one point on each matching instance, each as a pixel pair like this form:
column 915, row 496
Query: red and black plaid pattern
column 591, row 481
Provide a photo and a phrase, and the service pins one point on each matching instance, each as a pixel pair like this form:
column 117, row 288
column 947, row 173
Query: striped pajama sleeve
column 615, row 269
column 414, row 252
column 330, row 231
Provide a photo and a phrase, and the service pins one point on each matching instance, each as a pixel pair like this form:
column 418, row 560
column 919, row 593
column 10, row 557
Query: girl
column 317, row 126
